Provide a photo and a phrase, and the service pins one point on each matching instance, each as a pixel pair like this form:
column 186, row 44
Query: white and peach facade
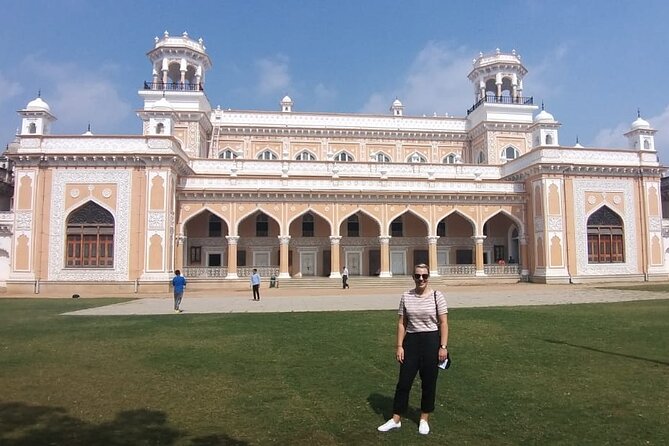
column 216, row 192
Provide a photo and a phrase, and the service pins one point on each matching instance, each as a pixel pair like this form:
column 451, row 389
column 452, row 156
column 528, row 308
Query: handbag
column 446, row 363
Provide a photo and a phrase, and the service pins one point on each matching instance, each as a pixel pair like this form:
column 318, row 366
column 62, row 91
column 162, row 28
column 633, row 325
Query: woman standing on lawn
column 422, row 343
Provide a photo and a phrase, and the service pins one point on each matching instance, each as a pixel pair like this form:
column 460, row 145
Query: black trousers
column 421, row 355
column 344, row 281
column 256, row 292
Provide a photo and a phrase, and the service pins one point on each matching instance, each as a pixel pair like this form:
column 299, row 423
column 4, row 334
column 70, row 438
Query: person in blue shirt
column 179, row 285
column 255, row 282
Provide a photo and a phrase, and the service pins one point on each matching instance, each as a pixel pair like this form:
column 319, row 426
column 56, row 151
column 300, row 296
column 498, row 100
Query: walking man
column 255, row 283
column 179, row 285
column 344, row 278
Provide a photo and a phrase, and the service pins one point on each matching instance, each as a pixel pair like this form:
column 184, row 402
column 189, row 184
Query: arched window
column 510, row 153
column 262, row 225
column 397, row 227
column 441, row 228
column 549, row 140
column 480, row 159
column 308, row 225
column 160, row 128
column 305, row 156
column 32, row 128
column 606, row 237
column 215, row 226
column 343, row 156
column 451, row 158
column 417, row 158
column 267, row 155
column 646, row 144
column 90, row 237
column 382, row 158
column 353, row 226
column 227, row 154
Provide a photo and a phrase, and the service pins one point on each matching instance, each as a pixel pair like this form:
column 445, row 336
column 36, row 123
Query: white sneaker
column 423, row 427
column 389, row 425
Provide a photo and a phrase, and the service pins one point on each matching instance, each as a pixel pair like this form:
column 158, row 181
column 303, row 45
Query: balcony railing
column 173, row 86
column 207, row 272
column 502, row 100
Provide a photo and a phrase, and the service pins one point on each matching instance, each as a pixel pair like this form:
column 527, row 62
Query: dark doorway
column 374, row 262
column 464, row 257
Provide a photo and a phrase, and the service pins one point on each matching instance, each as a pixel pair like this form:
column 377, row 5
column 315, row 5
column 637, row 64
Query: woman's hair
column 422, row 265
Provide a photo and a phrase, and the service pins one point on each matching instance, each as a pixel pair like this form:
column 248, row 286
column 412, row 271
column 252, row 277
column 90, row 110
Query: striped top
column 422, row 312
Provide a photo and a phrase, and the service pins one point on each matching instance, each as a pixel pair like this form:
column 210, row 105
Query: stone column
column 232, row 256
column 284, row 272
column 385, row 256
column 179, row 252
column 524, row 271
column 432, row 255
column 335, row 267
column 478, row 240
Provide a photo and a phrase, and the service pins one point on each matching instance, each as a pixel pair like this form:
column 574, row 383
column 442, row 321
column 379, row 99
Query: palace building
column 491, row 195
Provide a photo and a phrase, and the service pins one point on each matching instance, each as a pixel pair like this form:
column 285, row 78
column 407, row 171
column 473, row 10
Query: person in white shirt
column 422, row 343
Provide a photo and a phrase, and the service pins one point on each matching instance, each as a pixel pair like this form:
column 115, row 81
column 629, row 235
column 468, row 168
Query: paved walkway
column 298, row 300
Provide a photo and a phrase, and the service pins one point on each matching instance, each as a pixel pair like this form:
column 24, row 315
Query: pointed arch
column 464, row 216
column 313, row 211
column 362, row 211
column 89, row 241
column 416, row 157
column 509, row 153
column 409, row 210
column 519, row 224
column 606, row 236
column 259, row 210
column 202, row 210
column 268, row 155
column 305, row 155
column 344, row 156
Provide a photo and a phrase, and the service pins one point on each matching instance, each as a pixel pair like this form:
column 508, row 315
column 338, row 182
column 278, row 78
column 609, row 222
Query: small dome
column 544, row 116
column 162, row 104
column 38, row 104
column 578, row 146
column 286, row 99
column 640, row 123
column 397, row 103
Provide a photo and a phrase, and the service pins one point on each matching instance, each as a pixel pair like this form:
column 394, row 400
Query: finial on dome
column 576, row 139
column 542, row 105
column 638, row 112
column 39, row 93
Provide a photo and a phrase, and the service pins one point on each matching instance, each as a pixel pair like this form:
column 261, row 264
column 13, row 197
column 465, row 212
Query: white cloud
column 79, row 96
column 612, row 137
column 273, row 75
column 436, row 82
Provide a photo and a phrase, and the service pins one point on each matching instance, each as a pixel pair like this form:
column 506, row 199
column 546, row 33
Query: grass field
column 574, row 374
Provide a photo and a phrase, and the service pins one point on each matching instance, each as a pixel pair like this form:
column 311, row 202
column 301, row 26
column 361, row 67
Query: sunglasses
column 421, row 276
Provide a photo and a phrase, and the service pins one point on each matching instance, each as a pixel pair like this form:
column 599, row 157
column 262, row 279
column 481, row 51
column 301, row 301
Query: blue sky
column 592, row 63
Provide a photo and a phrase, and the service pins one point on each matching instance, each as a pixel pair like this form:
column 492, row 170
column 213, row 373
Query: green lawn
column 572, row 374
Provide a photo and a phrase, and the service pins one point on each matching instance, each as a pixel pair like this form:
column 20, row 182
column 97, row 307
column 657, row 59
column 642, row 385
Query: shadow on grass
column 383, row 405
column 592, row 349
column 27, row 425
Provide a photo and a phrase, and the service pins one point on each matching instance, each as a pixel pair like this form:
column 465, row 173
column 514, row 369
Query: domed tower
column 501, row 118
column 174, row 101
column 36, row 118
column 641, row 136
column 498, row 78
column 545, row 129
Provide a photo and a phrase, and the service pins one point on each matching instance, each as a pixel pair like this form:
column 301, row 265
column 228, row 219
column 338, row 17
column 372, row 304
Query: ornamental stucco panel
column 121, row 213
column 608, row 191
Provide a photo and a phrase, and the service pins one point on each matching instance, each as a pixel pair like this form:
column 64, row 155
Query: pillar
column 232, row 256
column 335, row 267
column 179, row 252
column 284, row 272
column 384, row 240
column 524, row 271
column 478, row 251
column 432, row 255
